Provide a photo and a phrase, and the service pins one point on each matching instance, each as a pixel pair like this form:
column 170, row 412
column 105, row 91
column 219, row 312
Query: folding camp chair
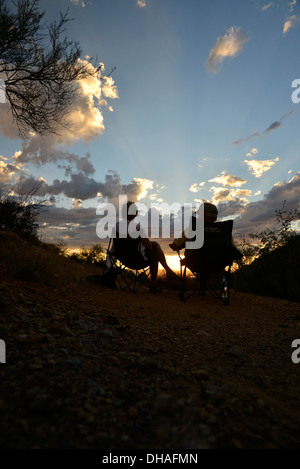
column 126, row 265
column 211, row 264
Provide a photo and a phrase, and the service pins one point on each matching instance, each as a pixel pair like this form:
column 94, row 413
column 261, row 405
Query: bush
column 19, row 216
column 270, row 239
column 93, row 255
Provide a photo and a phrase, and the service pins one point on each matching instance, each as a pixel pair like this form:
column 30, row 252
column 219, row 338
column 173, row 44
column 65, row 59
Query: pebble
column 72, row 361
column 111, row 320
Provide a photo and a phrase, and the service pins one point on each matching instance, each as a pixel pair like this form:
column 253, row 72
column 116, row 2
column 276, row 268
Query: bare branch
column 40, row 68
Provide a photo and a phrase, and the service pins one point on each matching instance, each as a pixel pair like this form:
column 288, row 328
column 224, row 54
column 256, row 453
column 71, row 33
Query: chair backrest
column 127, row 251
column 215, row 253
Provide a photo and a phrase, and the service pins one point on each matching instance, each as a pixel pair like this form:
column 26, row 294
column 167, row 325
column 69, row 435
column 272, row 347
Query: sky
column 197, row 101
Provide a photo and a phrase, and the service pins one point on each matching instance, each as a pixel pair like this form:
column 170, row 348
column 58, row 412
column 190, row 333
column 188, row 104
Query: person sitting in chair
column 204, row 268
column 150, row 252
column 210, row 216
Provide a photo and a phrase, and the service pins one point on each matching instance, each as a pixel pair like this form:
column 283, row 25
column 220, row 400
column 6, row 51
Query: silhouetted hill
column 275, row 274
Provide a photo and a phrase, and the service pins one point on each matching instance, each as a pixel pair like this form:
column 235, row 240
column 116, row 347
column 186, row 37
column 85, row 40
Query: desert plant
column 270, row 239
column 93, row 255
column 19, row 214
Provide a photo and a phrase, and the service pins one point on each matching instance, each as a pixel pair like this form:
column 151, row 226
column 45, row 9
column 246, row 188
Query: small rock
column 201, row 374
column 107, row 332
column 111, row 320
column 72, row 361
column 94, row 388
column 148, row 368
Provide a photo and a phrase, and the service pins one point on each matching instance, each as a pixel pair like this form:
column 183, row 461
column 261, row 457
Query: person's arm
column 178, row 243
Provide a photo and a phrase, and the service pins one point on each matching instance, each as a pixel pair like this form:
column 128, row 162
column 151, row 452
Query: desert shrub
column 93, row 255
column 270, row 239
column 19, row 216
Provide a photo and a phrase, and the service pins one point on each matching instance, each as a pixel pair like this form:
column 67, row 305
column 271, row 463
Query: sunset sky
column 198, row 107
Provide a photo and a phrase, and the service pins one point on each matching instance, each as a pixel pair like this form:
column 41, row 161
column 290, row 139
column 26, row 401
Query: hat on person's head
column 210, row 211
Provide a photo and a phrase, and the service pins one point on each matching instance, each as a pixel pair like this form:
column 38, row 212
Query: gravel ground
column 90, row 367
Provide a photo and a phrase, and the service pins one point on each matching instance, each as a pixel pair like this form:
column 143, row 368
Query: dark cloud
column 46, row 153
column 237, row 142
column 273, row 126
column 76, row 226
column 256, row 216
column 81, row 186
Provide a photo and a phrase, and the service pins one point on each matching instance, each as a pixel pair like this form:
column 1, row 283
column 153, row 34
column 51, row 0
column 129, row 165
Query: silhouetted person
column 150, row 251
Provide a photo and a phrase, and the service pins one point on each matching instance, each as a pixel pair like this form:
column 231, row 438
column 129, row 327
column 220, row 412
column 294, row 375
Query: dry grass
column 42, row 264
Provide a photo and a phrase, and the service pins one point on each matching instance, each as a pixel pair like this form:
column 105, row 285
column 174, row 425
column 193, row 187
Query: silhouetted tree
column 270, row 239
column 38, row 66
column 19, row 215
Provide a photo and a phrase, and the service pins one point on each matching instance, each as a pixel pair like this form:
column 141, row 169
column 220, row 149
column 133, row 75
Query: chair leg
column 139, row 279
column 225, row 287
column 183, row 280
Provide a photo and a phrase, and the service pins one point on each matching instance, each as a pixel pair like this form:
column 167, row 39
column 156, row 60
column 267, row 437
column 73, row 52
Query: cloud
column 229, row 45
column 252, row 152
column 109, row 89
column 77, row 226
column 42, row 151
column 229, row 180
column 259, row 215
column 82, row 187
column 222, row 194
column 77, row 203
column 78, row 2
column 85, row 118
column 273, row 126
column 7, row 172
column 267, row 6
column 7, row 125
column 196, row 187
column 237, row 142
column 145, row 185
column 257, row 168
column 292, row 21
column 85, row 123
column 141, row 3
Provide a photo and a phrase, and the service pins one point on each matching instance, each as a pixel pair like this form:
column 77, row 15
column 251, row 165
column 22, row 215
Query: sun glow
column 173, row 262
